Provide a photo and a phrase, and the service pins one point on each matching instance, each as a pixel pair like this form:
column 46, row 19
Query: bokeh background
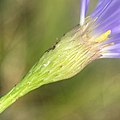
column 27, row 29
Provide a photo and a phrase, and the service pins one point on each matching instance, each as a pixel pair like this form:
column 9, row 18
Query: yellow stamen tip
column 103, row 37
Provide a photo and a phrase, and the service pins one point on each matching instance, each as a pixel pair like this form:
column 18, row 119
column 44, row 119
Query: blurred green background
column 27, row 29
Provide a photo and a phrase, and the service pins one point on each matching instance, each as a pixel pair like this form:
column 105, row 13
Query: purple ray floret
column 109, row 19
column 106, row 25
column 84, row 8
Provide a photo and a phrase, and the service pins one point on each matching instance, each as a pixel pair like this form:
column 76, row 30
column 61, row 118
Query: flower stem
column 17, row 92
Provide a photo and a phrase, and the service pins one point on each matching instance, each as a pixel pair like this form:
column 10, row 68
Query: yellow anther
column 103, row 37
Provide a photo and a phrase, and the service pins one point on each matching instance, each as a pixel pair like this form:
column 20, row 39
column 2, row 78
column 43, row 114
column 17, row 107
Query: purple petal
column 108, row 18
column 102, row 6
column 113, row 48
column 107, row 13
column 112, row 55
column 84, row 8
column 113, row 6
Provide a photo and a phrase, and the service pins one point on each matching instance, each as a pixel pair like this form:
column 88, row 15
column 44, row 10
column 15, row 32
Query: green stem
column 11, row 97
column 18, row 91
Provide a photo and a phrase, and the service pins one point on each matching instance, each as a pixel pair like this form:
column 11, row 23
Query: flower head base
column 106, row 26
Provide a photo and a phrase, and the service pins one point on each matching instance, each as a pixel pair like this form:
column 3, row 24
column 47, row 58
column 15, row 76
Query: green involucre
column 64, row 60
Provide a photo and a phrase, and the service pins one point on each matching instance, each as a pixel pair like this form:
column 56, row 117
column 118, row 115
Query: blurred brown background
column 27, row 29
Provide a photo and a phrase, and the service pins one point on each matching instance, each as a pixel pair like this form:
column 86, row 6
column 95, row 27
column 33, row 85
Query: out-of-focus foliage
column 27, row 29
